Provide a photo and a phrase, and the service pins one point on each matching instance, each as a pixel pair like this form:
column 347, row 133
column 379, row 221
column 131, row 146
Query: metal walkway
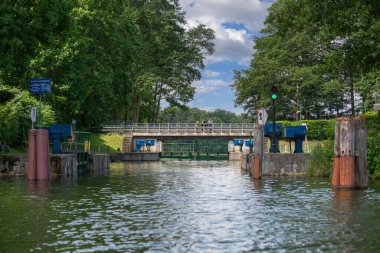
column 184, row 129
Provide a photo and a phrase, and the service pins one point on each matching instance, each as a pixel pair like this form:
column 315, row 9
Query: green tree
column 167, row 57
column 317, row 53
column 15, row 106
column 107, row 59
column 26, row 26
column 90, row 65
column 192, row 115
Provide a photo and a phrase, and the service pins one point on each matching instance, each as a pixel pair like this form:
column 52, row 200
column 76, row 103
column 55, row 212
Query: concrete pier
column 64, row 164
column 61, row 164
column 276, row 164
column 99, row 164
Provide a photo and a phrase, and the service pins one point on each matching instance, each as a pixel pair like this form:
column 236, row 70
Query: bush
column 15, row 115
column 321, row 160
column 320, row 129
column 372, row 122
column 321, row 157
column 373, row 153
column 316, row 129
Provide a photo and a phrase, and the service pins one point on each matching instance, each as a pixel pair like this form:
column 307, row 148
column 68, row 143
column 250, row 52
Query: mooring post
column 336, row 168
column 43, row 160
column 32, row 155
column 360, row 154
column 347, row 153
column 258, row 152
column 350, row 154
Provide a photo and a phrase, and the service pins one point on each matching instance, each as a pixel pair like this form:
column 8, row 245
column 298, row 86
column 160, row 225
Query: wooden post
column 336, row 173
column 360, row 154
column 336, row 168
column 347, row 153
column 350, row 154
column 256, row 173
column 258, row 152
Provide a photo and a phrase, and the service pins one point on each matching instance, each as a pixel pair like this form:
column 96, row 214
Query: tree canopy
column 322, row 55
column 175, row 114
column 107, row 59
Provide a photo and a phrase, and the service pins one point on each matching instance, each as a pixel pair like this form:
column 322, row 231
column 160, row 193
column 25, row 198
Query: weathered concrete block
column 14, row 165
column 99, row 164
column 64, row 164
column 285, row 164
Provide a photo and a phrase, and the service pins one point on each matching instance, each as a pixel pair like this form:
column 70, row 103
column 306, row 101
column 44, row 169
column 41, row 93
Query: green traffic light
column 274, row 93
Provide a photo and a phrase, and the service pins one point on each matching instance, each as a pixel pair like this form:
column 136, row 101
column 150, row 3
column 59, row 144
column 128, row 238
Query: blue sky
column 234, row 22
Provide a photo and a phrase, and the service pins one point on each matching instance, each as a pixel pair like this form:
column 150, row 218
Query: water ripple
column 188, row 206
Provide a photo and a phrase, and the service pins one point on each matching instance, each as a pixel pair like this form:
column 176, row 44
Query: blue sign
column 39, row 86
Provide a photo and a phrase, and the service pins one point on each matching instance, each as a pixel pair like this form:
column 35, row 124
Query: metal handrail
column 182, row 128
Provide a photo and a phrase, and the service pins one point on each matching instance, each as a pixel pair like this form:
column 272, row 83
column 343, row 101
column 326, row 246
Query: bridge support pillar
column 159, row 146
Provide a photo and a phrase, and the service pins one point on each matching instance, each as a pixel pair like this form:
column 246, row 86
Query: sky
column 235, row 23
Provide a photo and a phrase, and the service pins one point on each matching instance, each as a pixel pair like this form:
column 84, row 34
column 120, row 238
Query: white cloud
column 211, row 74
column 233, row 42
column 231, row 45
column 209, row 86
column 251, row 13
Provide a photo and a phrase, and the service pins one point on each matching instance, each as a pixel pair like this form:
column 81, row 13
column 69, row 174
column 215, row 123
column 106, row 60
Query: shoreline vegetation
column 320, row 134
column 122, row 60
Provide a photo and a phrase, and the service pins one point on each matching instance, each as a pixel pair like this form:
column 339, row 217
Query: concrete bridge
column 164, row 131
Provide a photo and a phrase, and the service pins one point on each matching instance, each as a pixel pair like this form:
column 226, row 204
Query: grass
column 113, row 141
column 321, row 160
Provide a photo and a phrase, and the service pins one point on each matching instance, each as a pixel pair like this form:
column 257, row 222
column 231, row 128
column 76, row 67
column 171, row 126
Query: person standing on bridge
column 209, row 125
column 197, row 127
column 203, row 124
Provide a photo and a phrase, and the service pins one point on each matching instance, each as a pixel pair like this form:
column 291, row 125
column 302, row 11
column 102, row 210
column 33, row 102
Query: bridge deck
column 185, row 130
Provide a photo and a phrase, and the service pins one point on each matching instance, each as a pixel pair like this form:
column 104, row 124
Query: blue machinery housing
column 142, row 143
column 268, row 132
column 58, row 133
column 298, row 134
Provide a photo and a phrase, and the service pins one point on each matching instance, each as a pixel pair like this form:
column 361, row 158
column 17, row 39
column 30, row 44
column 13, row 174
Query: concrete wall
column 61, row 164
column 275, row 164
column 99, row 164
column 64, row 164
column 13, row 165
column 285, row 164
column 122, row 157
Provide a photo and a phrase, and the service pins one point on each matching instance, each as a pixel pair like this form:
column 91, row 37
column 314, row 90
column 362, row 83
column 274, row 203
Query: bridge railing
column 182, row 128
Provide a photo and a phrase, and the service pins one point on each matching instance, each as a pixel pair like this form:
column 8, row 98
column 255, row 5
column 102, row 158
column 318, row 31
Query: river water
column 186, row 206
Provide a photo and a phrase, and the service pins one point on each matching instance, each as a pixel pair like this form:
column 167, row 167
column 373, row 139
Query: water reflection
column 257, row 184
column 189, row 206
column 38, row 187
